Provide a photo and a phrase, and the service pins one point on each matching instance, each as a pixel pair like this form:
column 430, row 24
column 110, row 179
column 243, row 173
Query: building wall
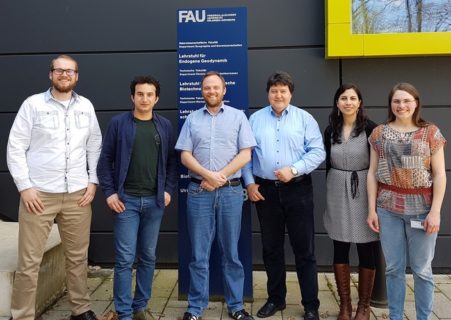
column 115, row 40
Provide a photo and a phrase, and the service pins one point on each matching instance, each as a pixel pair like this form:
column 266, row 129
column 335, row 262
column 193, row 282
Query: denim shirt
column 117, row 150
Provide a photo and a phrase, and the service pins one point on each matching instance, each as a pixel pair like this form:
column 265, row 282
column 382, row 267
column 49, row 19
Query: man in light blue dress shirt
column 215, row 142
column 278, row 180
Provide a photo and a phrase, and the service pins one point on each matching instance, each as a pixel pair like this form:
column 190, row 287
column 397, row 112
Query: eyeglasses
column 407, row 102
column 69, row 72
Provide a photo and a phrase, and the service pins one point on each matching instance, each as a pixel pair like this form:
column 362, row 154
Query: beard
column 64, row 88
column 213, row 102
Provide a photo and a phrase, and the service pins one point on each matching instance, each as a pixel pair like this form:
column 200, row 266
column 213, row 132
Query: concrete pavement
column 165, row 305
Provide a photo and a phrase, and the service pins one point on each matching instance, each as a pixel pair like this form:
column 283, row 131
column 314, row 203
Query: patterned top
column 405, row 163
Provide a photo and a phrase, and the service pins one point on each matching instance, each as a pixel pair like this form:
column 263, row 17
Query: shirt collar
column 48, row 95
column 285, row 112
column 221, row 109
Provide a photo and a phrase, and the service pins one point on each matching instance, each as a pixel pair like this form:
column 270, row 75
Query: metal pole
column 379, row 295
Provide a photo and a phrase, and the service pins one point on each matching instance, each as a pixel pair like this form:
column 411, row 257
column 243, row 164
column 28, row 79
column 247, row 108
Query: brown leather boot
column 366, row 281
column 343, row 280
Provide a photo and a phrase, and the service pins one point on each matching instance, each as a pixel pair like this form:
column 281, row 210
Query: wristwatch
column 294, row 171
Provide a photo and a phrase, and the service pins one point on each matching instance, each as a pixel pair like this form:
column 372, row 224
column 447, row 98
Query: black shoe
column 241, row 315
column 88, row 315
column 190, row 316
column 269, row 309
column 311, row 315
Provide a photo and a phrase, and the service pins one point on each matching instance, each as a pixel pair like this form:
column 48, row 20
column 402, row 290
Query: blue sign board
column 211, row 39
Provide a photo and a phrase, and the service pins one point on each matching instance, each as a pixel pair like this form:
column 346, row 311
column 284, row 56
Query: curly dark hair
column 145, row 80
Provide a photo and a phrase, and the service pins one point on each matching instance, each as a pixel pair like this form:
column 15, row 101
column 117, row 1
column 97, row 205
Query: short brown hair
column 213, row 73
column 63, row 56
column 280, row 78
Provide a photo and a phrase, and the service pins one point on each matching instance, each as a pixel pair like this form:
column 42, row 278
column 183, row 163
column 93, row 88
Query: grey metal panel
column 324, row 252
column 101, row 249
column 21, row 77
column 442, row 258
column 9, row 198
column 106, row 78
column 114, row 25
column 101, row 219
column 103, row 78
column 6, row 121
column 285, row 22
column 315, row 78
column 67, row 26
column 430, row 75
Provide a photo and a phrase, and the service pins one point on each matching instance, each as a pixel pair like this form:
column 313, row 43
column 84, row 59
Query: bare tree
column 379, row 16
column 419, row 8
column 409, row 16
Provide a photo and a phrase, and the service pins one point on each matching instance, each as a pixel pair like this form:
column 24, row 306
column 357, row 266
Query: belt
column 278, row 183
column 230, row 183
column 425, row 191
column 354, row 181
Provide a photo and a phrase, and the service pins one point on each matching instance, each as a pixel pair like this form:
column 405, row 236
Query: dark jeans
column 291, row 206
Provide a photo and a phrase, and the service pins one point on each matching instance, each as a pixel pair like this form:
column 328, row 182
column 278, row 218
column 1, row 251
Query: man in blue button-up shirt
column 289, row 147
column 215, row 143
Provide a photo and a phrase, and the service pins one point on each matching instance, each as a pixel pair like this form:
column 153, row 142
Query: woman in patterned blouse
column 406, row 185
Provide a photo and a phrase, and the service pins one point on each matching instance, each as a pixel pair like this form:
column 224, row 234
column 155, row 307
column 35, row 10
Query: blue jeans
column 135, row 234
column 398, row 239
column 210, row 214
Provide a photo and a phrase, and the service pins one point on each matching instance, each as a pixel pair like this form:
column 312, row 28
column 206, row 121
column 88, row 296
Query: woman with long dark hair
column 347, row 162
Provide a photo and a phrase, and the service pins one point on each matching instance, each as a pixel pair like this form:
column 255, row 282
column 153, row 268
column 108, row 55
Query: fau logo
column 192, row 16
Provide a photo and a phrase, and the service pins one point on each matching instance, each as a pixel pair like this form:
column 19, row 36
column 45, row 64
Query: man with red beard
column 52, row 155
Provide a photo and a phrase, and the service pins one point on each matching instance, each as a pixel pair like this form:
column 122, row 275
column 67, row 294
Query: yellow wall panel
column 402, row 44
column 342, row 43
column 338, row 11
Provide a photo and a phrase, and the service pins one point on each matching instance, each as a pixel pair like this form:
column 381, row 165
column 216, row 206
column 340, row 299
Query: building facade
column 115, row 40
